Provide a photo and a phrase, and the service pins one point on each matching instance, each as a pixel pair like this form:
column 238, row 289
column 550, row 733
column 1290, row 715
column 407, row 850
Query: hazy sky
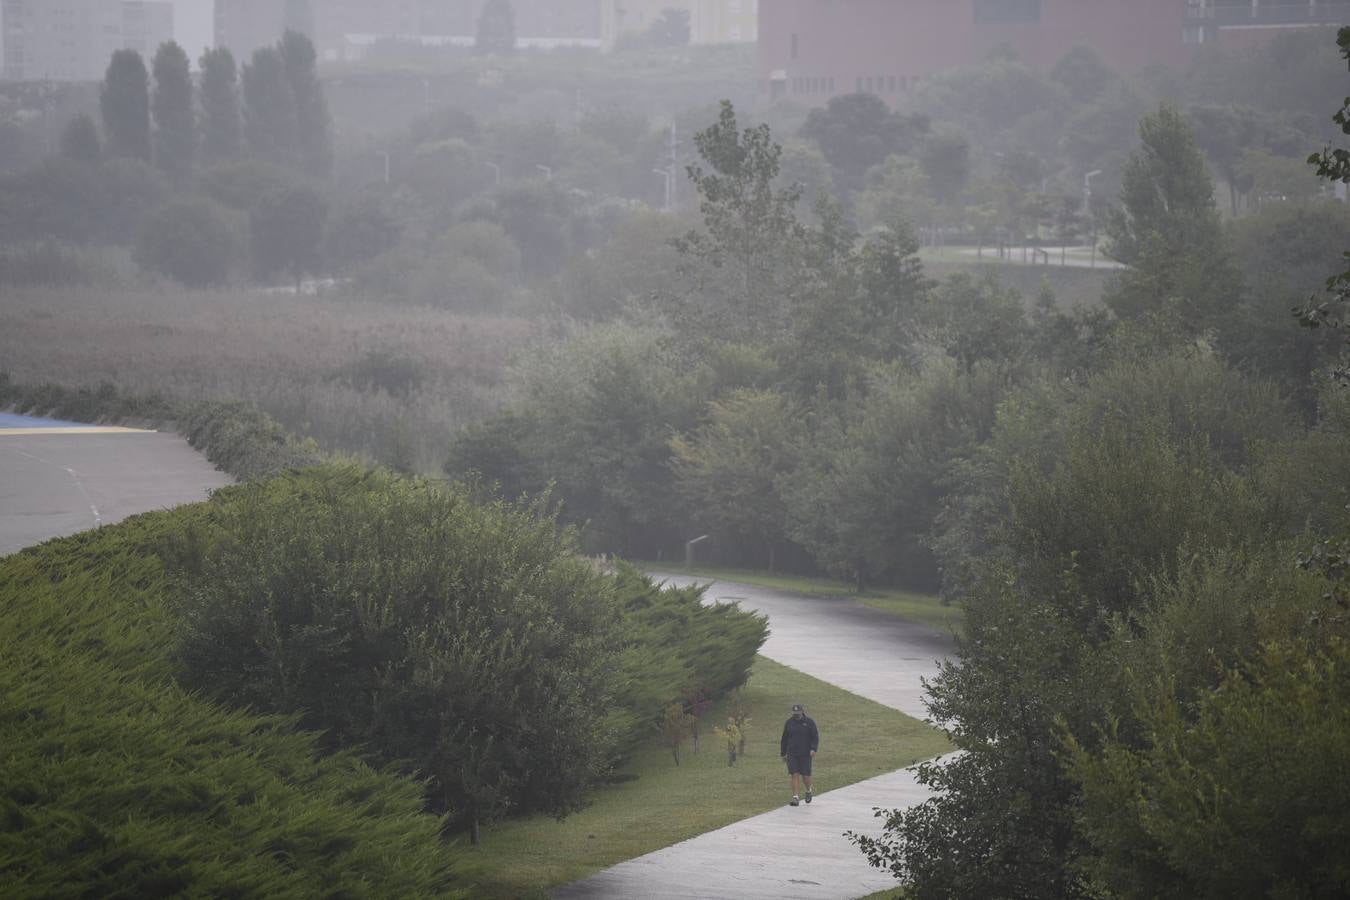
column 192, row 25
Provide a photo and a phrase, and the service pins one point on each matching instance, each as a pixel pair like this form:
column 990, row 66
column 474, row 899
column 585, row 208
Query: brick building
column 811, row 50
column 72, row 40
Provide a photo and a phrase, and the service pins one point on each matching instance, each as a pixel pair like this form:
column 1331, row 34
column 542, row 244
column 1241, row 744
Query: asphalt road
column 58, row 479
column 797, row 852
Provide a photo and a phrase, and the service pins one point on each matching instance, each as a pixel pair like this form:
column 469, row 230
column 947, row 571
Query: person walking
column 798, row 746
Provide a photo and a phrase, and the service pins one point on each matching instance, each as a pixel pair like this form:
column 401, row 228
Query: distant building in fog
column 811, row 50
column 72, row 40
column 343, row 29
column 710, row 21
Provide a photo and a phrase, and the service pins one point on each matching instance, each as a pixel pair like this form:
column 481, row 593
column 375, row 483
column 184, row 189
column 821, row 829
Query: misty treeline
column 200, row 177
column 1142, row 508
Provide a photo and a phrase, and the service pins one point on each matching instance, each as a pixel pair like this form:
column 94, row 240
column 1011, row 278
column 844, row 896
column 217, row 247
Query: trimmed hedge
column 115, row 781
column 238, row 438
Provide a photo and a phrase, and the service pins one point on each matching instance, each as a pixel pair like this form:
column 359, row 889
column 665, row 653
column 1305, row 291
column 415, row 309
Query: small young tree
column 674, row 726
column 221, row 126
column 175, row 118
column 739, row 711
column 731, row 739
column 124, row 101
column 697, row 703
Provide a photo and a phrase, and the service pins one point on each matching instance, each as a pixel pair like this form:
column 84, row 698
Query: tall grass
column 390, row 383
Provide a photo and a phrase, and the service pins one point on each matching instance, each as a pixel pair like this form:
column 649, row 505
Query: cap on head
column 797, row 708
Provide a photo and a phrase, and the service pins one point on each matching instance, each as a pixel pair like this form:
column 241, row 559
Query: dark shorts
column 799, row 765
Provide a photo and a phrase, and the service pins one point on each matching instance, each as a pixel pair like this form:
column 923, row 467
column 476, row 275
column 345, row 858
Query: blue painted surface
column 14, row 420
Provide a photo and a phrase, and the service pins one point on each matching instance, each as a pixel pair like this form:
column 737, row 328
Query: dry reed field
column 388, row 382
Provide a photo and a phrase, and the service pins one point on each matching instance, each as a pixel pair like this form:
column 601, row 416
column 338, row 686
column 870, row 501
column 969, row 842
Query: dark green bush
column 244, row 441
column 672, row 644
column 116, row 782
column 468, row 640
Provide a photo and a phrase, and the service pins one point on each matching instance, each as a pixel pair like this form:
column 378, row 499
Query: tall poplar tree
column 221, row 126
column 311, row 109
column 175, row 119
column 124, row 103
column 269, row 109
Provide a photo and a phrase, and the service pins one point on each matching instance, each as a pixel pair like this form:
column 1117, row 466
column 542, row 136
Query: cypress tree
column 175, row 120
column 269, row 109
column 124, row 102
column 79, row 140
column 311, row 109
column 220, row 105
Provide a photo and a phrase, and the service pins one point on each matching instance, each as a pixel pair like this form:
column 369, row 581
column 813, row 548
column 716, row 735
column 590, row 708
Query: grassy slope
column 665, row 804
column 923, row 608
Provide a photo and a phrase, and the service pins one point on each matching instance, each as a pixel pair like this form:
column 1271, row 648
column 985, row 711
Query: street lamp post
column 547, row 170
column 1087, row 210
column 385, row 155
column 668, row 176
column 496, row 173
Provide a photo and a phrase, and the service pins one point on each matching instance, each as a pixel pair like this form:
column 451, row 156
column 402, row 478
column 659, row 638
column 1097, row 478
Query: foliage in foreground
column 468, row 641
column 115, row 781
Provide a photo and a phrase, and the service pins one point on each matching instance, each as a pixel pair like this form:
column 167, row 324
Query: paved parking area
column 60, row 478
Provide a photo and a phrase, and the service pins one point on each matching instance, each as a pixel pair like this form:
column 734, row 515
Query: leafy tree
column 1168, row 232
column 270, row 122
column 124, row 101
column 859, row 131
column 80, row 142
column 313, row 127
column 360, row 230
column 172, row 105
column 729, row 467
column 221, row 126
column 670, row 29
column 400, row 616
column 286, row 233
column 1083, row 74
column 192, row 240
column 496, row 28
column 751, row 227
column 945, row 159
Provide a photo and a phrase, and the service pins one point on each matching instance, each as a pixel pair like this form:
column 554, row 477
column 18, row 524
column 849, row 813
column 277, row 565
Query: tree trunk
column 675, row 752
column 772, row 558
column 473, row 829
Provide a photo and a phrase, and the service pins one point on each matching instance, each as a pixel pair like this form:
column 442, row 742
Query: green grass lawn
column 665, row 804
column 923, row 608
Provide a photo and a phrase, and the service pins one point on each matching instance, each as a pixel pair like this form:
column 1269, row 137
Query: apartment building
column 710, row 21
column 72, row 40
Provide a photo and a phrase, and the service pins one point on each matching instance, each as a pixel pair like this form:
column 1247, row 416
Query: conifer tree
column 221, row 126
column 269, row 109
column 124, row 102
column 175, row 119
column 311, row 109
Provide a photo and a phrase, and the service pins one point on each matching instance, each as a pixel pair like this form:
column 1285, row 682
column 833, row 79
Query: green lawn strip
column 924, row 608
column 664, row 805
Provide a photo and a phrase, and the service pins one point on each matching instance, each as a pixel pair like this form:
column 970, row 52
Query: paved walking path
column 797, row 851
column 59, row 478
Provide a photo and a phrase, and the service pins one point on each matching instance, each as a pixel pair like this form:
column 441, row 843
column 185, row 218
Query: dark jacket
column 800, row 737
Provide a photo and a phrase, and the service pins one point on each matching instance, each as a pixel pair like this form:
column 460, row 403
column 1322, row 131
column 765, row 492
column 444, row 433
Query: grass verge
column 661, row 804
column 925, row 608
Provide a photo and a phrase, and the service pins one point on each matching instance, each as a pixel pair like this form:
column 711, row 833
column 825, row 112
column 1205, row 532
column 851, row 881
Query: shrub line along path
column 798, row 851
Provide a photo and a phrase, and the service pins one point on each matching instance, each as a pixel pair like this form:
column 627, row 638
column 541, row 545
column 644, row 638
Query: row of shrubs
column 116, row 781
column 237, row 437
column 298, row 686
column 461, row 638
